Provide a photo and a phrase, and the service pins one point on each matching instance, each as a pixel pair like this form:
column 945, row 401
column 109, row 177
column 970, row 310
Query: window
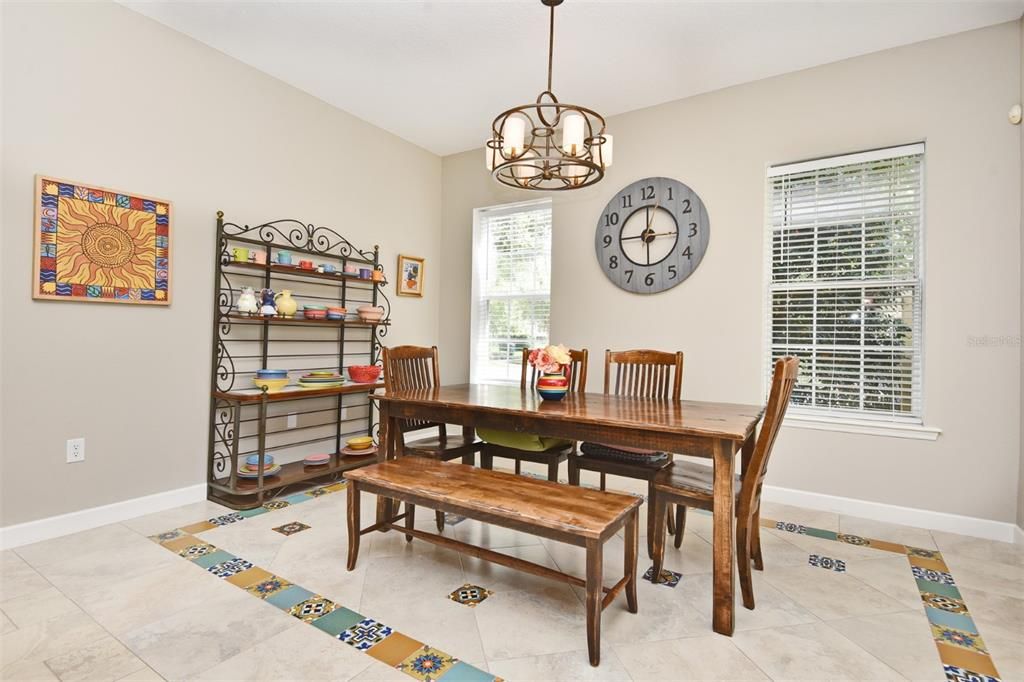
column 511, row 287
column 845, row 282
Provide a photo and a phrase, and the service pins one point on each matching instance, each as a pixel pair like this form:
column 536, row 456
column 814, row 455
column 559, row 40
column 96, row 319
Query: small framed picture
column 410, row 276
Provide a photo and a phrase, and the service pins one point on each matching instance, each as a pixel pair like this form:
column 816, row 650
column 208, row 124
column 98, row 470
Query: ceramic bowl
column 272, row 373
column 359, row 443
column 272, row 385
column 314, row 314
column 254, row 460
column 364, row 374
column 336, row 310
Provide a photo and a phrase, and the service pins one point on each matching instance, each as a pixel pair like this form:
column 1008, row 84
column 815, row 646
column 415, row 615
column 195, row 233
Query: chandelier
column 548, row 145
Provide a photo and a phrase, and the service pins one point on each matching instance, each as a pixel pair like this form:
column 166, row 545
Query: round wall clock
column 652, row 235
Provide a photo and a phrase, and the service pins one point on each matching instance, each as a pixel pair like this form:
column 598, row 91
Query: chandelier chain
column 551, row 45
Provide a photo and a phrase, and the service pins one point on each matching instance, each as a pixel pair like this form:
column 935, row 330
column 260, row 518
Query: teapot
column 247, row 302
column 267, row 307
column 286, row 306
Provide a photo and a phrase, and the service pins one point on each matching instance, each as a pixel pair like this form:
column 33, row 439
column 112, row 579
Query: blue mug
column 364, row 273
column 284, row 257
column 328, row 268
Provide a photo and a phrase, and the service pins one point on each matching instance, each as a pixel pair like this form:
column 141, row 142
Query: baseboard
column 890, row 513
column 1018, row 535
column 73, row 522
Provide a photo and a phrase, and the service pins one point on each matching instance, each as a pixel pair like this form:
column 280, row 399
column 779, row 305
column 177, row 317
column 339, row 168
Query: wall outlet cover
column 76, row 450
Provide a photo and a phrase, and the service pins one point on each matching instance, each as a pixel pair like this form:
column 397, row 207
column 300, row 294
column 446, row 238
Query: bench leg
column 439, row 519
column 353, row 524
column 632, row 533
column 553, row 471
column 410, row 519
column 595, row 557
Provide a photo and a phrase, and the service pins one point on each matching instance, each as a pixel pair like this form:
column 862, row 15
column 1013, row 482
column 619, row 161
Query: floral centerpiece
column 553, row 362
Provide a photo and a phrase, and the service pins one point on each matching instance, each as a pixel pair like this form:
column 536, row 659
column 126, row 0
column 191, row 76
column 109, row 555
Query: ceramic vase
column 247, row 302
column 286, row 305
column 552, row 386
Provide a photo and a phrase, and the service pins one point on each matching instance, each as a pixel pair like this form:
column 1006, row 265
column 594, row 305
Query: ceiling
column 437, row 73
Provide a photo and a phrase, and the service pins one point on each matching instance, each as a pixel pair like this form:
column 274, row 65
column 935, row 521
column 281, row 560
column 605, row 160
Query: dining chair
column 689, row 484
column 641, row 374
column 523, row 447
column 417, row 367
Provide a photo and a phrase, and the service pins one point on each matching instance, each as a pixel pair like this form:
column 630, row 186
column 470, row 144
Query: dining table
column 711, row 430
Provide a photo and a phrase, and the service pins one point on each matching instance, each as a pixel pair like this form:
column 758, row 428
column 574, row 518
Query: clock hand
column 648, row 245
column 655, row 235
column 650, row 213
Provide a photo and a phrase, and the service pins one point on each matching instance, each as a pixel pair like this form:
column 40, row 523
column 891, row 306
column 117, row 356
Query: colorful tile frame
column 100, row 245
column 960, row 647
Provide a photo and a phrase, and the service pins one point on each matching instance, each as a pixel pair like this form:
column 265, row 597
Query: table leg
column 595, row 576
column 353, row 524
column 632, row 532
column 722, row 536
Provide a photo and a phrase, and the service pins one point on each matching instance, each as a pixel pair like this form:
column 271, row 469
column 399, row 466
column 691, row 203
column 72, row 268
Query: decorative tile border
column 414, row 658
column 667, row 578
column 828, row 563
column 469, row 595
column 961, row 650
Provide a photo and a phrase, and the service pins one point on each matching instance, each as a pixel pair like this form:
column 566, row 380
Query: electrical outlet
column 76, row 450
column 293, row 420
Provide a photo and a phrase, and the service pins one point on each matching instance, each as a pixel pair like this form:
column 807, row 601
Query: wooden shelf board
column 256, row 319
column 291, row 473
column 254, row 395
column 336, row 277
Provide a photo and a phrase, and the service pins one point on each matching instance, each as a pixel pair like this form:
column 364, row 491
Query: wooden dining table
column 716, row 431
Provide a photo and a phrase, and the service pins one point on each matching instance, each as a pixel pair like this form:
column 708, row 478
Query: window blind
column 511, row 288
column 845, row 288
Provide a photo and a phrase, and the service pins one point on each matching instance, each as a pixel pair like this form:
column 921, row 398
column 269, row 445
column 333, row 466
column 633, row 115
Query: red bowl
column 364, row 374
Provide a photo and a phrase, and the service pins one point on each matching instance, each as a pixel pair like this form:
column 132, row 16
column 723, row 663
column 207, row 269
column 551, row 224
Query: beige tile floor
column 110, row 604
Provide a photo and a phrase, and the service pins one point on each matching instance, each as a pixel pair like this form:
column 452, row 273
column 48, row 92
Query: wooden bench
column 578, row 516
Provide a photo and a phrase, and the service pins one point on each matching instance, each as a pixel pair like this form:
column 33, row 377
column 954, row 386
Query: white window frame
column 862, row 423
column 475, row 314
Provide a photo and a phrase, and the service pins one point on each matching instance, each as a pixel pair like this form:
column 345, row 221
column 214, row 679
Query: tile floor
column 199, row 592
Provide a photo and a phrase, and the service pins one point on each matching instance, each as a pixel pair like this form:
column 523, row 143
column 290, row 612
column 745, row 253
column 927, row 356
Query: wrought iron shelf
column 290, row 474
column 275, row 268
column 245, row 420
column 298, row 249
column 256, row 319
column 255, row 395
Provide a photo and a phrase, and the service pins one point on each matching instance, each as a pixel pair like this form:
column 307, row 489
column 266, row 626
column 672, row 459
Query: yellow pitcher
column 286, row 305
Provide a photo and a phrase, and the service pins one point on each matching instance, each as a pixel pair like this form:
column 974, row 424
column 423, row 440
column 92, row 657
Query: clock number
column 686, row 206
column 629, row 276
column 613, row 262
column 649, row 279
column 670, row 192
column 611, row 219
column 672, row 272
column 627, row 201
column 647, row 193
column 693, row 230
column 607, row 240
column 686, row 252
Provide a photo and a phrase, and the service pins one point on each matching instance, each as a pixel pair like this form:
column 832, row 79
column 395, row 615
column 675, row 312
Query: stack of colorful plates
column 251, row 468
column 321, row 379
column 317, row 460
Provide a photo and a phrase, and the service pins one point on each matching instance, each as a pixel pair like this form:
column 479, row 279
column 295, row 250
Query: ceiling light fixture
column 548, row 145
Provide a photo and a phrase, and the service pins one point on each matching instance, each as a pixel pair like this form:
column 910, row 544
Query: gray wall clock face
column 652, row 235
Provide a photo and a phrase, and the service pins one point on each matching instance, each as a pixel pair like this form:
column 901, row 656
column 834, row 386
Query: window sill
column 862, row 426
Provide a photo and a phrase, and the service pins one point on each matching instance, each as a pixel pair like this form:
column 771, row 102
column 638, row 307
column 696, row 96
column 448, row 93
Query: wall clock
column 652, row 235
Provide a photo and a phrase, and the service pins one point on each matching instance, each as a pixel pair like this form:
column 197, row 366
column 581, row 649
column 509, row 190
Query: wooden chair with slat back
column 549, row 451
column 417, row 367
column 643, row 374
column 689, row 484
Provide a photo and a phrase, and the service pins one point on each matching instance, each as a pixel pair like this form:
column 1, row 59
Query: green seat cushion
column 521, row 441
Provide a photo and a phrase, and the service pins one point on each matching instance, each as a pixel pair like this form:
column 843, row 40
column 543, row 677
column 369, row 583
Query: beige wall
column 952, row 93
column 98, row 93
column 1020, row 99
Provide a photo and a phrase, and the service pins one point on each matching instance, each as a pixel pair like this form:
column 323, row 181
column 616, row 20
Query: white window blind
column 511, row 287
column 845, row 282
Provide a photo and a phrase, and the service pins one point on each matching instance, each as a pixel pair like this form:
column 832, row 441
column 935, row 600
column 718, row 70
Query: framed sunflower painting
column 99, row 244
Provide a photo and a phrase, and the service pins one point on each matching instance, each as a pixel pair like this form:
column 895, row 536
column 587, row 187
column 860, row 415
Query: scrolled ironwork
column 317, row 239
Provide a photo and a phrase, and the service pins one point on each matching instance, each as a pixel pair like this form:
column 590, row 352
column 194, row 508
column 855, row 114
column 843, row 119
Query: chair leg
column 574, row 471
column 486, row 460
column 755, row 542
column 602, row 480
column 410, row 519
column 671, row 521
column 439, row 517
column 553, row 469
column 743, row 559
column 519, row 467
column 680, row 524
column 469, row 458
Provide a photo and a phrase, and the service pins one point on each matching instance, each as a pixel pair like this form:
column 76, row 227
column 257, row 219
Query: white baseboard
column 1018, row 535
column 890, row 513
column 73, row 522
